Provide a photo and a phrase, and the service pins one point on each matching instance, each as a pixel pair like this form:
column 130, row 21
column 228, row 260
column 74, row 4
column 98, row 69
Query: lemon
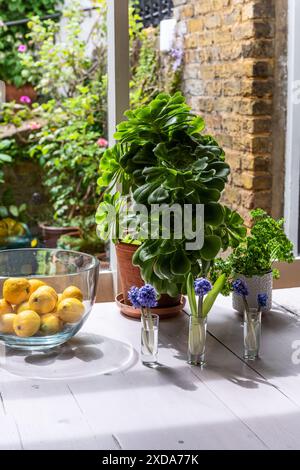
column 7, row 323
column 5, row 307
column 26, row 323
column 50, row 324
column 59, row 297
column 72, row 292
column 35, row 284
column 16, row 290
column 23, row 306
column 70, row 310
column 3, row 229
column 43, row 300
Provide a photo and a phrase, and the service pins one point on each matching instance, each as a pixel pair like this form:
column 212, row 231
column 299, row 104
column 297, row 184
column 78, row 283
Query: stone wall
column 234, row 54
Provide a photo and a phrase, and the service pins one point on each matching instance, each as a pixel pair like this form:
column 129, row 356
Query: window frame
column 292, row 165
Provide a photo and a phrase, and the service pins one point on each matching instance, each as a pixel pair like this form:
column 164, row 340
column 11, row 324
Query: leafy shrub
column 12, row 36
column 255, row 255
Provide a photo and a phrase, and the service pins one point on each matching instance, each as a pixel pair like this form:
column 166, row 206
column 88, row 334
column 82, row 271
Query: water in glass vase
column 197, row 340
column 149, row 339
column 252, row 334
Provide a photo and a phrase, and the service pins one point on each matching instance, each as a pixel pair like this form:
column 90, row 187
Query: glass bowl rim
column 96, row 262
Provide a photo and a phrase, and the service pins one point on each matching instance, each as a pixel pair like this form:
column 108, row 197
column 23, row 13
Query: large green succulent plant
column 162, row 157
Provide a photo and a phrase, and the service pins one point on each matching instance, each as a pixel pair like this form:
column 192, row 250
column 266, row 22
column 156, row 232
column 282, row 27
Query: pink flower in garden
column 22, row 48
column 102, row 142
column 34, row 125
column 25, row 99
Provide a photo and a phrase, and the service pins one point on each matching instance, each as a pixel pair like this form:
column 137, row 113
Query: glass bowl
column 58, row 269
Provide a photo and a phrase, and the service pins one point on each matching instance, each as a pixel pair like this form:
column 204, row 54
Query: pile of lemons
column 30, row 307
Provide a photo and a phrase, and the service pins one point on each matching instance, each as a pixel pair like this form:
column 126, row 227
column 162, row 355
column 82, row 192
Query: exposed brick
column 229, row 63
column 187, row 11
column 212, row 21
column 263, row 48
column 191, row 70
column 191, row 41
column 194, row 87
column 258, row 9
column 257, row 125
column 256, row 163
column 256, row 181
column 252, row 200
column 195, row 25
column 254, row 107
column 231, row 87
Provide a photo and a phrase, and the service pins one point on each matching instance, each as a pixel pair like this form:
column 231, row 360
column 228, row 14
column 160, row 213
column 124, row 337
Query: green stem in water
column 197, row 331
column 251, row 335
column 148, row 330
column 200, row 306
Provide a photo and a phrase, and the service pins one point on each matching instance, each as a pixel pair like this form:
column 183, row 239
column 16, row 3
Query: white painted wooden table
column 228, row 405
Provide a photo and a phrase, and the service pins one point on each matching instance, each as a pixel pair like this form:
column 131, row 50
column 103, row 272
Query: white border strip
column 292, row 166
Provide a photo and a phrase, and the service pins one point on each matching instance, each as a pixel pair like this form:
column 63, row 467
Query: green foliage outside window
column 13, row 36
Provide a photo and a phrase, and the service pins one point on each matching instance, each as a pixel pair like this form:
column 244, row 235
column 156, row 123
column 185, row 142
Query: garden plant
column 67, row 126
column 163, row 157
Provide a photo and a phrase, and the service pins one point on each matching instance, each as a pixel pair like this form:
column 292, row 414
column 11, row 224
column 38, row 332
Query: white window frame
column 118, row 81
column 292, row 167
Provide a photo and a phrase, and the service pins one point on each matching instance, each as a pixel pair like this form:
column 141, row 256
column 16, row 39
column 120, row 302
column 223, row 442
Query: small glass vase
column 252, row 333
column 149, row 338
column 197, row 340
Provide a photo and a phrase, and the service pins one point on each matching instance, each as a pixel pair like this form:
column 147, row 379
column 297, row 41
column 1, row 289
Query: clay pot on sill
column 12, row 93
column 51, row 234
column 130, row 276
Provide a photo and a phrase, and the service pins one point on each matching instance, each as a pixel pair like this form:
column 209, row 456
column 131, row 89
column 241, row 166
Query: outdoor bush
column 59, row 67
column 69, row 156
column 68, row 123
column 12, row 36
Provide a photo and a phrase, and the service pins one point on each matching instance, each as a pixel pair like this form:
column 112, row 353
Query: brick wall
column 230, row 68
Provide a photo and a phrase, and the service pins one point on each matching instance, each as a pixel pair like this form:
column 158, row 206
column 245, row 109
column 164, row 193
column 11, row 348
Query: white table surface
column 230, row 404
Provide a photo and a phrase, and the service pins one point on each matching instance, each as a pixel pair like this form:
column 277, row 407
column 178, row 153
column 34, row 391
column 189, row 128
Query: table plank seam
column 87, row 421
column 229, row 408
column 117, row 442
column 2, row 403
column 293, row 315
column 255, row 371
column 18, row 433
column 237, row 356
column 287, row 310
column 197, row 375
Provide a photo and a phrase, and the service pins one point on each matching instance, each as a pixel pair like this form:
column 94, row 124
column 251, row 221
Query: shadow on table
column 280, row 332
column 84, row 356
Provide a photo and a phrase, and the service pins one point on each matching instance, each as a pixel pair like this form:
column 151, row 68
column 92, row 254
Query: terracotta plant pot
column 163, row 312
column 256, row 285
column 12, row 93
column 51, row 234
column 130, row 276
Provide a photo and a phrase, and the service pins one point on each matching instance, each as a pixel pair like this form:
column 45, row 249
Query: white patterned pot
column 256, row 285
